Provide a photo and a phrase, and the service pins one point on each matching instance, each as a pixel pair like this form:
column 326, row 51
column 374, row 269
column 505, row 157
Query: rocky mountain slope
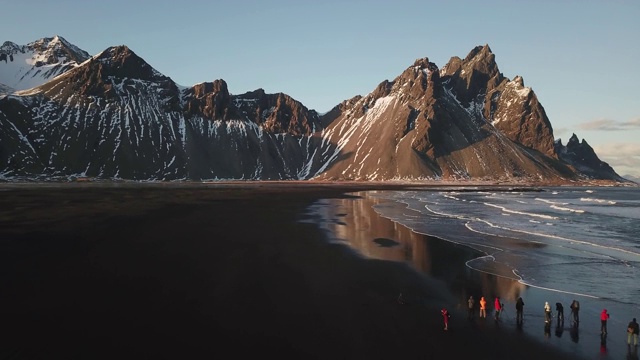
column 114, row 116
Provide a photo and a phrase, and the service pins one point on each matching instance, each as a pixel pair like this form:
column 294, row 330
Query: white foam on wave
column 468, row 265
column 557, row 290
column 444, row 213
column 451, row 197
column 504, row 209
column 600, row 201
column 551, row 202
column 567, row 209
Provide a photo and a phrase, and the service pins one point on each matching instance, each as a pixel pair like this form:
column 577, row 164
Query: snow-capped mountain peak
column 27, row 66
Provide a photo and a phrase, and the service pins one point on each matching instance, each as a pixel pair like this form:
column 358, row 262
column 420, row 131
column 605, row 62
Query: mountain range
column 65, row 114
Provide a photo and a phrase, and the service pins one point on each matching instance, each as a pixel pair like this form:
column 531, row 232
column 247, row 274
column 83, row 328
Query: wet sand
column 175, row 271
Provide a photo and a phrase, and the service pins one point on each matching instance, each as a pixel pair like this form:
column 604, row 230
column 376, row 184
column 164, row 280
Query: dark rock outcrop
column 582, row 157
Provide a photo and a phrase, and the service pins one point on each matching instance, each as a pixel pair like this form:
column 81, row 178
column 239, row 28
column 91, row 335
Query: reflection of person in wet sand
column 603, row 343
column 575, row 337
column 559, row 329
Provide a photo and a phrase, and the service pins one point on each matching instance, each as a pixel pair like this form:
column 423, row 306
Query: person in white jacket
column 547, row 312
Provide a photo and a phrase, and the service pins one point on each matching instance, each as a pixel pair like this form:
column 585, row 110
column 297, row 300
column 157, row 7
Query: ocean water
column 575, row 240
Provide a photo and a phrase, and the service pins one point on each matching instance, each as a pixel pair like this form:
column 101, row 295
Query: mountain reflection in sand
column 356, row 223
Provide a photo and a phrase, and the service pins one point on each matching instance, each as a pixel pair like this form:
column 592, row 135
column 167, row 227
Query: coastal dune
column 193, row 271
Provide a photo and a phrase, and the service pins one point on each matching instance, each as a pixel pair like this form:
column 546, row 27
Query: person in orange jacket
column 483, row 307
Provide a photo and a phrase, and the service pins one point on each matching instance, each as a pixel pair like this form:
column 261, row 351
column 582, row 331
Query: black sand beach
column 171, row 271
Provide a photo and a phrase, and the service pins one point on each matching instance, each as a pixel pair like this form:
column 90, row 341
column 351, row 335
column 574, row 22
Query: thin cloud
column 618, row 149
column 623, row 157
column 558, row 132
column 610, row 125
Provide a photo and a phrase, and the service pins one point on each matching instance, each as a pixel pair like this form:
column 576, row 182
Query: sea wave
column 504, row 209
column 566, row 209
column 600, row 201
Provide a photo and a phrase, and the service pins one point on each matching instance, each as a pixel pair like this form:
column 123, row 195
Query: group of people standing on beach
column 498, row 307
column 633, row 329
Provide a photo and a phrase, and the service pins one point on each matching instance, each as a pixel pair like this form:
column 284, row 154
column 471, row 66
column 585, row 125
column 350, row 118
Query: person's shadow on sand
column 547, row 330
column 632, row 352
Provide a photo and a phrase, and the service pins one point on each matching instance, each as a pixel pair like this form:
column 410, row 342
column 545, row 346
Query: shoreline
column 463, row 281
column 172, row 272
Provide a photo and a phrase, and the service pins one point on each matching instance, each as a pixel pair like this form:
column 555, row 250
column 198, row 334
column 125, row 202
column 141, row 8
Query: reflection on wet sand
column 379, row 238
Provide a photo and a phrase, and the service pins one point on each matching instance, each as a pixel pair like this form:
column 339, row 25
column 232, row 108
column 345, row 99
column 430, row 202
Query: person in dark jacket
column 632, row 332
column 560, row 311
column 575, row 308
column 470, row 304
column 519, row 310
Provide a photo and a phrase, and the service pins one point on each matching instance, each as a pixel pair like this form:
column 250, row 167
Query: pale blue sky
column 580, row 57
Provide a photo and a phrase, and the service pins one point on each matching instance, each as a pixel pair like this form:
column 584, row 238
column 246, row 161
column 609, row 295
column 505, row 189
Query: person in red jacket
column 498, row 307
column 604, row 316
column 445, row 316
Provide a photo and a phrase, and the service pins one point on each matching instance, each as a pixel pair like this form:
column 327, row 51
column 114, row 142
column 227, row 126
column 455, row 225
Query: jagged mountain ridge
column 114, row 116
column 582, row 157
column 117, row 117
column 427, row 130
column 25, row 66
